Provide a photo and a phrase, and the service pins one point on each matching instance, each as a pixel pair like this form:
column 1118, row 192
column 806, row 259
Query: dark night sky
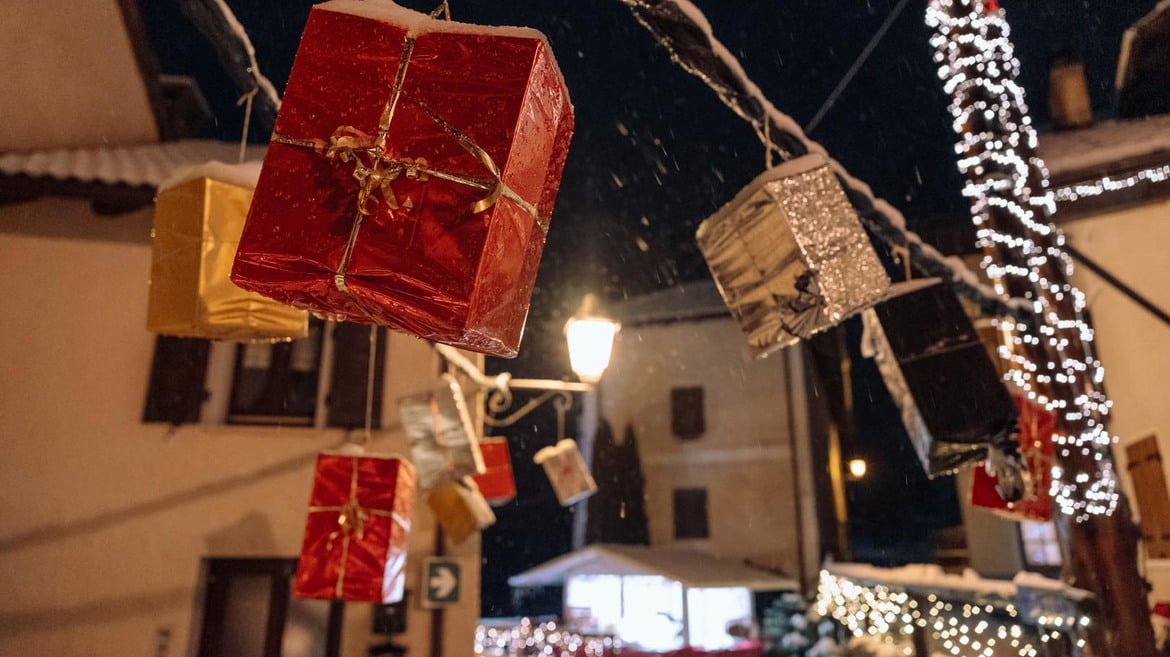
column 655, row 153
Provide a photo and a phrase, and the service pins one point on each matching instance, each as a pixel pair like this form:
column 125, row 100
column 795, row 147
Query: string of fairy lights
column 530, row 638
column 1007, row 185
column 1109, row 184
column 891, row 615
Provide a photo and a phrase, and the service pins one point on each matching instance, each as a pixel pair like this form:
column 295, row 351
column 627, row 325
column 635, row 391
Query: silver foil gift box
column 789, row 255
column 443, row 441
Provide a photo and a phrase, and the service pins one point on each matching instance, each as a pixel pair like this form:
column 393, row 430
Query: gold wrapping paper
column 789, row 255
column 460, row 509
column 197, row 227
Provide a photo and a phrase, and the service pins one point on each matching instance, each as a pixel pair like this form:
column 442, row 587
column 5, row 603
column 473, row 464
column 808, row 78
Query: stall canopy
column 690, row 568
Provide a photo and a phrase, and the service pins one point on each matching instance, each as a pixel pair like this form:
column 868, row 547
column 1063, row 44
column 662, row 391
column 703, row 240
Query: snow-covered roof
column 1103, row 146
column 690, row 568
column 931, row 577
column 685, row 301
column 142, row 165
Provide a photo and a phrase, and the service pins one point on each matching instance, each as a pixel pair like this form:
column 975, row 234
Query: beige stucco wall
column 85, row 568
column 1132, row 343
column 744, row 458
column 70, row 78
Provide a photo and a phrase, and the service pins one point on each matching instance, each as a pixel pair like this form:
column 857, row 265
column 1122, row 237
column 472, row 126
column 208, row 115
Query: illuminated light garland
column 1107, row 184
column 543, row 639
column 969, row 629
column 1005, row 180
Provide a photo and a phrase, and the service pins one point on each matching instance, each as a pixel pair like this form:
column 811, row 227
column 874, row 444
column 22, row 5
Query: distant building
column 723, row 439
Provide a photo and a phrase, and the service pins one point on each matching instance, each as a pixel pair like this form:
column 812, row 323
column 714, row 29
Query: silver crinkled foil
column 789, row 255
column 443, row 440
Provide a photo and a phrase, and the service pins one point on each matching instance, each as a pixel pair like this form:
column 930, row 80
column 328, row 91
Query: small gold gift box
column 460, row 509
column 197, row 226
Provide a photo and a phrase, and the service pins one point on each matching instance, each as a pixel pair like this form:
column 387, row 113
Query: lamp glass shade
column 590, row 346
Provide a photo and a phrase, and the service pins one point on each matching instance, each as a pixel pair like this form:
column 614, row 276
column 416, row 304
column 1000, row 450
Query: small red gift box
column 411, row 175
column 1036, row 428
column 357, row 529
column 496, row 484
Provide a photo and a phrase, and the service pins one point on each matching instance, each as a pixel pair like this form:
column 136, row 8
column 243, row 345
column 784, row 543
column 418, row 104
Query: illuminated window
column 1041, row 546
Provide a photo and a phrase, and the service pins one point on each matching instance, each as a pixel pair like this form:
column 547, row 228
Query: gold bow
column 373, row 170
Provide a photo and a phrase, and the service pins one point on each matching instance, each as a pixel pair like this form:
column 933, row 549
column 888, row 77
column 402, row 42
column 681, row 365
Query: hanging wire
column 246, row 101
column 443, row 11
column 371, row 370
column 849, row 75
column 683, row 30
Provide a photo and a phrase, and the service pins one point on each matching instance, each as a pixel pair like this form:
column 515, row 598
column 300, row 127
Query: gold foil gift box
column 198, row 217
column 789, row 255
column 460, row 509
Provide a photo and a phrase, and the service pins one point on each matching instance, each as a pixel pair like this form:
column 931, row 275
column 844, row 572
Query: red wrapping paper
column 1036, row 428
column 497, row 483
column 347, row 558
column 433, row 267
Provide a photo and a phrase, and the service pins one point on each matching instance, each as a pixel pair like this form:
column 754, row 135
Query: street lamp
column 590, row 336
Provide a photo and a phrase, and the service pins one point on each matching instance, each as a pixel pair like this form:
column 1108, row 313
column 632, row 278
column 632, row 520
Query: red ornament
column 497, row 483
column 411, row 175
column 1036, row 428
column 991, row 6
column 357, row 529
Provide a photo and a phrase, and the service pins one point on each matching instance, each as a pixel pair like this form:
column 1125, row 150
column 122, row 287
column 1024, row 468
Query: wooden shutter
column 176, row 389
column 690, row 513
column 347, row 383
column 687, row 420
column 1149, row 485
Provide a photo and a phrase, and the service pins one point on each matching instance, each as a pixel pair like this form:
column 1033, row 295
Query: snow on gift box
column 198, row 217
column 443, row 440
column 357, row 529
column 954, row 406
column 789, row 255
column 411, row 175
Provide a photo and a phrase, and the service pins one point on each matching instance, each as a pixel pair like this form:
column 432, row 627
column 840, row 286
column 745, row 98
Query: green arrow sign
column 441, row 582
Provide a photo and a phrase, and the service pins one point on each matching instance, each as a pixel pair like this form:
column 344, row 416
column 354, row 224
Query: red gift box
column 496, row 484
column 1036, row 428
column 357, row 529
column 411, row 175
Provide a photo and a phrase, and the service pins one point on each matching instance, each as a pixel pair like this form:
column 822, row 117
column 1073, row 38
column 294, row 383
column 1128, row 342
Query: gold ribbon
column 375, row 171
column 351, row 519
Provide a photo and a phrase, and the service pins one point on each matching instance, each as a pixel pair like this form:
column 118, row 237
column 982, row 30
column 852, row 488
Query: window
column 1041, row 546
column 248, row 611
column 690, row 513
column 686, row 412
column 317, row 381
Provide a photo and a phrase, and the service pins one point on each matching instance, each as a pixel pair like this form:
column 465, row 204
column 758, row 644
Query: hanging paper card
column 444, row 442
column 411, row 175
column 789, row 255
column 952, row 401
column 460, row 509
column 198, row 217
column 357, row 529
column 566, row 471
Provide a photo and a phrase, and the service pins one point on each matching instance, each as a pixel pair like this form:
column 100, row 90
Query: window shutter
column 1149, row 486
column 347, row 383
column 176, row 389
column 690, row 513
column 687, row 420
